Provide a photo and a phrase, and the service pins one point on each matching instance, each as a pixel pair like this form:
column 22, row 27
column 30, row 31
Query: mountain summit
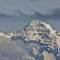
column 36, row 29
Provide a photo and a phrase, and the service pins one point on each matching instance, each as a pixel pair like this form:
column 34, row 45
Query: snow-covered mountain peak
column 38, row 39
column 38, row 30
column 35, row 30
column 39, row 25
column 36, row 23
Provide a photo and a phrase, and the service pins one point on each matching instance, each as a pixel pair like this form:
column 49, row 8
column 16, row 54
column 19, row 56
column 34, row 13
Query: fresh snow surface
column 36, row 41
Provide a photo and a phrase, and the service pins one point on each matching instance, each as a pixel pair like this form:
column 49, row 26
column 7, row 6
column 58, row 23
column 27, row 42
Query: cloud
column 55, row 13
column 20, row 13
column 4, row 15
column 50, row 14
column 43, row 15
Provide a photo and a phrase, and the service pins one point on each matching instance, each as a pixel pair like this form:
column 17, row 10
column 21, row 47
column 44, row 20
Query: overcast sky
column 27, row 5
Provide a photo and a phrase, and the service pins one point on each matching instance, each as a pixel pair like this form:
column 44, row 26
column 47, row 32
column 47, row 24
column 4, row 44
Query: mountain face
column 40, row 40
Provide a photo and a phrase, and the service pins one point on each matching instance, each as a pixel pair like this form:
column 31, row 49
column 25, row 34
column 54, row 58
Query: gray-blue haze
column 13, row 23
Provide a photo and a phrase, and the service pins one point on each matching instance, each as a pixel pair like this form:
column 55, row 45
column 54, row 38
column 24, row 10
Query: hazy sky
column 47, row 10
column 28, row 5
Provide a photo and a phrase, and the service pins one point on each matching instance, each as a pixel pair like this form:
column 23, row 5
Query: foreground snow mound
column 38, row 41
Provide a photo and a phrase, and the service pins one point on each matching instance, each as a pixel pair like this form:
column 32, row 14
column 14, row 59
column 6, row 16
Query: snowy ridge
column 2, row 34
column 40, row 40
